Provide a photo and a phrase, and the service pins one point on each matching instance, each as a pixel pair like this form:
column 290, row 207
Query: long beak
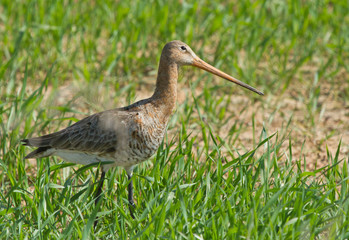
column 207, row 67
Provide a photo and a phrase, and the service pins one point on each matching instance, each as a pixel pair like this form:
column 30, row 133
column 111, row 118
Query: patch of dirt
column 313, row 132
column 315, row 125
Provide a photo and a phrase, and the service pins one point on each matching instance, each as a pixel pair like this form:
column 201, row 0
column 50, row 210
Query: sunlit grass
column 223, row 171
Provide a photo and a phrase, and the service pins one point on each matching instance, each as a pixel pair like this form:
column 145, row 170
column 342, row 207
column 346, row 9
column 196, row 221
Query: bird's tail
column 37, row 153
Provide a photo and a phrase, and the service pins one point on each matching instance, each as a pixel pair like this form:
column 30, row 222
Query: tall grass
column 61, row 60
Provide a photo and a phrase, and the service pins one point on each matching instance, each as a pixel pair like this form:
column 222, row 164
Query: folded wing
column 99, row 133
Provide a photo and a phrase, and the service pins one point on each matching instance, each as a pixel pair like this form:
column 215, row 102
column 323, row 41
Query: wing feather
column 100, row 133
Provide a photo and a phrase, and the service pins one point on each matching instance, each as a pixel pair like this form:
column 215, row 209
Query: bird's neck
column 165, row 95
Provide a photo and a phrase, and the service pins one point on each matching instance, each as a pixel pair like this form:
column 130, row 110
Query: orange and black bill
column 207, row 67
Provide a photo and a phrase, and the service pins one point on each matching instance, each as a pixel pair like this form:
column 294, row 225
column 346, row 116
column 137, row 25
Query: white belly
column 80, row 158
column 87, row 158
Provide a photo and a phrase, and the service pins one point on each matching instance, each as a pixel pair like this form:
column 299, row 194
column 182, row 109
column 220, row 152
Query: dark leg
column 98, row 193
column 99, row 189
column 130, row 196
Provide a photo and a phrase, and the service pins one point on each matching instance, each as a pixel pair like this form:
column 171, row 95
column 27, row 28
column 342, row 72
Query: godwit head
column 181, row 54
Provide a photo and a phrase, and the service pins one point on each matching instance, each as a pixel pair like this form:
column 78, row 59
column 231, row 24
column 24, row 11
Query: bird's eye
column 183, row 48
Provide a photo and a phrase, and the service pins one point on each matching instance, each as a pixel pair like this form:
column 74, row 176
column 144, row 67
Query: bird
column 128, row 135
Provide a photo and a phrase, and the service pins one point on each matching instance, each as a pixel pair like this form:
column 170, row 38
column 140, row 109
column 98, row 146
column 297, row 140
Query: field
column 233, row 165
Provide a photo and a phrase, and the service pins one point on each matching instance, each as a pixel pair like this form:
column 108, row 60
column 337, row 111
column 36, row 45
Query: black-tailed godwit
column 129, row 135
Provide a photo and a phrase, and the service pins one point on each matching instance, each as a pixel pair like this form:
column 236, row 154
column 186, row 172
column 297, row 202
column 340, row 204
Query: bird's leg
column 99, row 188
column 98, row 193
column 130, row 195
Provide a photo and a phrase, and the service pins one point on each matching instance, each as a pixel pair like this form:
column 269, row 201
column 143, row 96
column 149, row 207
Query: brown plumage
column 129, row 135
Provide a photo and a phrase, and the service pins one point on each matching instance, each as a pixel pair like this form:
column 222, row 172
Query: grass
column 232, row 166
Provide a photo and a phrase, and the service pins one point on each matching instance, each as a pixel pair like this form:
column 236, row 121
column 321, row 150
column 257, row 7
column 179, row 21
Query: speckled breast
column 145, row 137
